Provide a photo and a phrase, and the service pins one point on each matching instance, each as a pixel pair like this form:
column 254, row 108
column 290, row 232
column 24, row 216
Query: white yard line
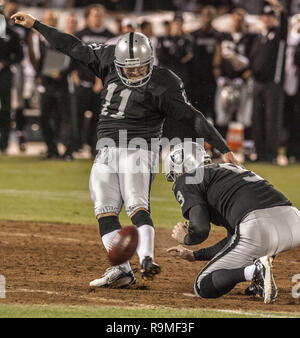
column 261, row 314
column 54, row 195
column 62, row 239
column 145, row 306
column 55, row 293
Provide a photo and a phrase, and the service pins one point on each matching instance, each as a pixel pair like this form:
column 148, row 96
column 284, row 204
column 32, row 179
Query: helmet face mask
column 183, row 158
column 134, row 50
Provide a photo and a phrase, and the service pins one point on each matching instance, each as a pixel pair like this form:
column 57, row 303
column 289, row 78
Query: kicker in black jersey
column 140, row 111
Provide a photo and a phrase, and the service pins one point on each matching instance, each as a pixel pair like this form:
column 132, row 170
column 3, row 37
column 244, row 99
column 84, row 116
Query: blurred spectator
column 266, row 64
column 71, row 23
column 19, row 70
column 124, row 26
column 163, row 44
column 11, row 53
column 88, row 86
column 292, row 91
column 176, row 50
column 127, row 25
column 53, row 70
column 203, row 84
column 234, row 95
column 146, row 28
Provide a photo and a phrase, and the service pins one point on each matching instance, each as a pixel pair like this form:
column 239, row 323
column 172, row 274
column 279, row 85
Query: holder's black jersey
column 227, row 191
column 140, row 111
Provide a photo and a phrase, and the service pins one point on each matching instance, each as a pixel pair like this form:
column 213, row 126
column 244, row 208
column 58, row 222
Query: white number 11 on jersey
column 125, row 94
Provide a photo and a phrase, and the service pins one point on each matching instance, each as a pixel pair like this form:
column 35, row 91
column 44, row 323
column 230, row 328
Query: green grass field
column 54, row 191
column 13, row 311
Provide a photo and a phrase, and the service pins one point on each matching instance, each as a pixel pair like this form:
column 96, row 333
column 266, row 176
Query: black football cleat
column 263, row 283
column 149, row 268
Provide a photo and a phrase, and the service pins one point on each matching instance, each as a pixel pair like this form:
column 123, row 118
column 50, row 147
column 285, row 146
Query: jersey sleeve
column 187, row 196
column 96, row 57
column 175, row 105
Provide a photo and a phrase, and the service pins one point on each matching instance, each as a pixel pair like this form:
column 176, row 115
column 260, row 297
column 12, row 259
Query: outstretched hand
column 230, row 158
column 179, row 232
column 23, row 19
column 180, row 251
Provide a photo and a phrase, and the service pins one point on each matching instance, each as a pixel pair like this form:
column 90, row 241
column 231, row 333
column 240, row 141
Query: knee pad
column 206, row 289
column 142, row 217
column 108, row 224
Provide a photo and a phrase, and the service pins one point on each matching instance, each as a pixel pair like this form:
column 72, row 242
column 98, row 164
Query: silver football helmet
column 134, row 50
column 183, row 158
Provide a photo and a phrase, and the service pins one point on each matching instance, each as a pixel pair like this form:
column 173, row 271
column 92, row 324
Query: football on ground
column 123, row 245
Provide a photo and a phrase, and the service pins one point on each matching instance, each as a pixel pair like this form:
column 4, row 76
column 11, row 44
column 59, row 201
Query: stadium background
column 49, row 243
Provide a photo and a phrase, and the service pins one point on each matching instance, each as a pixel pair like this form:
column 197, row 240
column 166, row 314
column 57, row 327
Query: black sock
column 225, row 280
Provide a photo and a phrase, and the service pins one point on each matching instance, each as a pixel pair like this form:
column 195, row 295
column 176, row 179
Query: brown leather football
column 123, row 245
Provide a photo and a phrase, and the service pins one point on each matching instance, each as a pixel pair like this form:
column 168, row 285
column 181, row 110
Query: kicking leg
column 107, row 200
column 145, row 250
column 118, row 276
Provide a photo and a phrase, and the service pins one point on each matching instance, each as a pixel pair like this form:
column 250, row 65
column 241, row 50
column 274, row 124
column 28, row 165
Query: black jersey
column 140, row 111
column 228, row 192
column 239, row 43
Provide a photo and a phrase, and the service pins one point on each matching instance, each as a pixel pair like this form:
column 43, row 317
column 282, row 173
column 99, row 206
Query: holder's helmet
column 183, row 158
column 134, row 50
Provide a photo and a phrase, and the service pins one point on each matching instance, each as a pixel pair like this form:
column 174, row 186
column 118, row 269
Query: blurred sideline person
column 124, row 25
column 55, row 96
column 266, row 66
column 11, row 53
column 176, row 52
column 87, row 85
column 203, row 83
column 135, row 100
column 146, row 28
column 260, row 222
column 181, row 49
column 163, row 44
column 71, row 26
column 20, row 70
column 292, row 92
column 234, row 95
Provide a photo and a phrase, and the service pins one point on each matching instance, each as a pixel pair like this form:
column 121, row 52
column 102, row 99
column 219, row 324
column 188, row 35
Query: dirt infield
column 52, row 264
